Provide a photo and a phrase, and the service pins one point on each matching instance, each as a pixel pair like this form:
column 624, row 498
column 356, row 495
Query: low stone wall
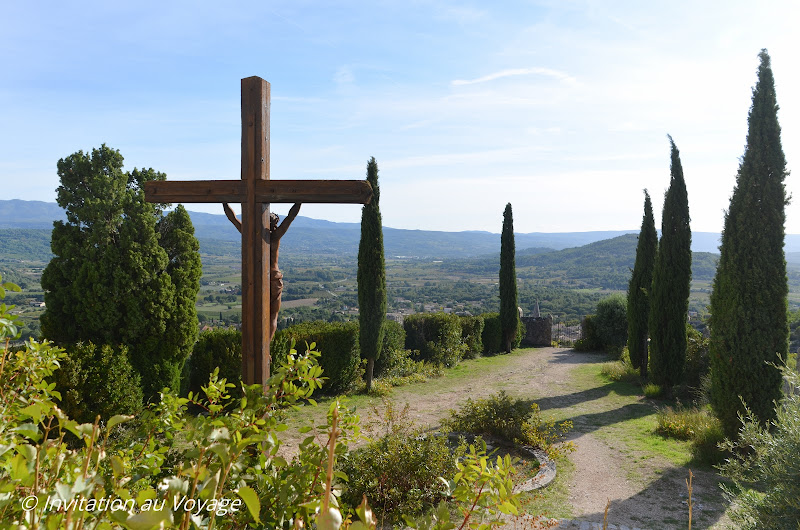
column 538, row 331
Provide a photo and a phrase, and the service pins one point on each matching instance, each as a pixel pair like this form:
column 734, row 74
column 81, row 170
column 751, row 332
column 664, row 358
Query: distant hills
column 325, row 238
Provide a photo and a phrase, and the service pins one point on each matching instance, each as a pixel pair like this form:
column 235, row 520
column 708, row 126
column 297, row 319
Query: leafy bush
column 216, row 349
column 471, row 336
column 696, row 424
column 611, row 324
column 515, row 420
column 652, row 390
column 394, row 339
column 492, row 337
column 765, row 466
column 697, row 360
column 400, row 471
column 339, row 342
column 620, row 371
column 97, row 380
column 590, row 339
column 436, row 336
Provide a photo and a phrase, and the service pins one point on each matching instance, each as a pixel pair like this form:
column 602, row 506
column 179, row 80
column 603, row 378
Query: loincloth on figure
column 275, row 290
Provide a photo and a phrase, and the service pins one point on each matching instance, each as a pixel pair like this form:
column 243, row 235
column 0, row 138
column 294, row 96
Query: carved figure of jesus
column 276, row 232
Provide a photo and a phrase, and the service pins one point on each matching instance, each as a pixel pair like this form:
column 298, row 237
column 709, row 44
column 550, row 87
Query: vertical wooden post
column 255, row 230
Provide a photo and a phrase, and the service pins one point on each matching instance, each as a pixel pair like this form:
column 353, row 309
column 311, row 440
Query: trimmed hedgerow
column 436, row 336
column 338, row 341
column 394, row 339
column 215, row 348
column 471, row 336
column 97, row 380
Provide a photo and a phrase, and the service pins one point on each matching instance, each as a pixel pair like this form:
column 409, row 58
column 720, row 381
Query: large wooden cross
column 255, row 191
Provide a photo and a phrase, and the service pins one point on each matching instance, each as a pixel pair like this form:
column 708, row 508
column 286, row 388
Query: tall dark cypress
column 509, row 310
column 749, row 296
column 639, row 288
column 371, row 277
column 672, row 278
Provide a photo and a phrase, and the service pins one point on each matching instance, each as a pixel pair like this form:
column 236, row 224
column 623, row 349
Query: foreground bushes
column 173, row 469
column 399, row 472
column 765, row 468
column 96, row 380
column 515, row 420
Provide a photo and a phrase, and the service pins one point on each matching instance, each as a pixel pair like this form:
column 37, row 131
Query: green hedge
column 491, row 337
column 338, row 343
column 96, row 380
column 394, row 338
column 436, row 336
column 214, row 348
column 471, row 336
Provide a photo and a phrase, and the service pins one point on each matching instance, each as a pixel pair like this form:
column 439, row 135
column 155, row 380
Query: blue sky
column 560, row 107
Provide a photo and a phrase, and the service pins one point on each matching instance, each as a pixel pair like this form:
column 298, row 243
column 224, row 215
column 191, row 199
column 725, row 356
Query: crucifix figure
column 255, row 191
column 276, row 232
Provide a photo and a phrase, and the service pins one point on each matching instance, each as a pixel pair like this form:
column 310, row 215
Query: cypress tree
column 371, row 277
column 110, row 280
column 749, row 296
column 509, row 312
column 639, row 287
column 672, row 277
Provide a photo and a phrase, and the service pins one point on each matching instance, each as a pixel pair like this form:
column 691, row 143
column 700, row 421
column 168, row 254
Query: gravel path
column 644, row 490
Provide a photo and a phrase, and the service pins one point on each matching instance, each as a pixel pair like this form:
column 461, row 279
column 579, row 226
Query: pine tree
column 672, row 277
column 639, row 287
column 371, row 277
column 110, row 280
column 749, row 296
column 509, row 310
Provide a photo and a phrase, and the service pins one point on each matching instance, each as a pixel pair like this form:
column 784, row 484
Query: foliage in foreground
column 765, row 468
column 400, row 470
column 515, row 420
column 173, row 469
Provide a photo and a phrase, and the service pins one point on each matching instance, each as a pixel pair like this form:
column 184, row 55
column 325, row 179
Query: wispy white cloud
column 513, row 72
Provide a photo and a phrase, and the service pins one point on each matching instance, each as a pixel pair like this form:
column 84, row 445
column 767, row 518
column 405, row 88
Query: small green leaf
column 149, row 519
column 250, row 499
column 117, row 419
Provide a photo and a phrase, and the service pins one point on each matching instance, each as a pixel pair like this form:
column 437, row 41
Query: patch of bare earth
column 644, row 490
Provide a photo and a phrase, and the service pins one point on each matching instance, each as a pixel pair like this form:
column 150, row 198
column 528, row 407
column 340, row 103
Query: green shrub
column 697, row 360
column 696, row 424
column 400, row 472
column 611, row 324
column 492, row 337
column 96, row 380
column 652, row 390
column 620, row 371
column 340, row 360
column 515, row 420
column 590, row 339
column 436, row 336
column 216, row 349
column 394, row 339
column 765, row 466
column 471, row 336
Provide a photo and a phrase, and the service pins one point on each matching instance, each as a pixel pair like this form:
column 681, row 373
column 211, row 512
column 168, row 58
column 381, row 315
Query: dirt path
column 645, row 489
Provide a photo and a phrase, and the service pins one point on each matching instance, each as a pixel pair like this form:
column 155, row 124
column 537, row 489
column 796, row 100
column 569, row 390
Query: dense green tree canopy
column 639, row 287
column 121, row 275
column 371, row 277
column 749, row 298
column 509, row 312
column 672, row 278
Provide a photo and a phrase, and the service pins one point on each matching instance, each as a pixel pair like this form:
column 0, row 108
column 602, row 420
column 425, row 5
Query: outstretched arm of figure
column 232, row 217
column 284, row 226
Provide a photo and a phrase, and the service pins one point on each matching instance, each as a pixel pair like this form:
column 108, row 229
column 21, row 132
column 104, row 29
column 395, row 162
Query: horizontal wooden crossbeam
column 267, row 191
